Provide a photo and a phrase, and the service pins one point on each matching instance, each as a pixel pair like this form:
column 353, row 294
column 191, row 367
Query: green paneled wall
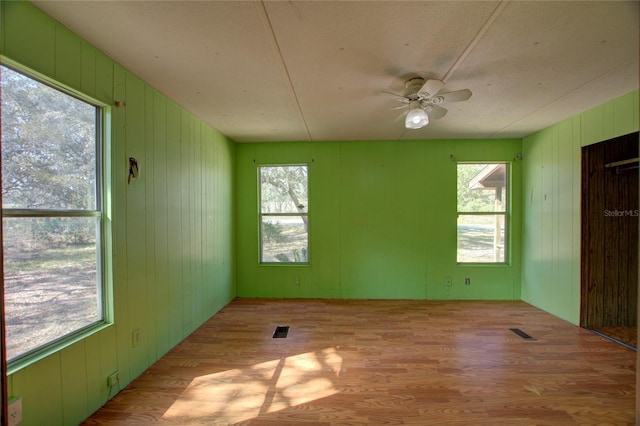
column 173, row 227
column 551, row 203
column 382, row 221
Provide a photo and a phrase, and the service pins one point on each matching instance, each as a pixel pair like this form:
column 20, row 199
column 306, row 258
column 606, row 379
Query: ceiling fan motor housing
column 412, row 86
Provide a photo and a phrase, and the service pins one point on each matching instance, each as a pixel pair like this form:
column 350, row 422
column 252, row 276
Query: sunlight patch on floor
column 241, row 394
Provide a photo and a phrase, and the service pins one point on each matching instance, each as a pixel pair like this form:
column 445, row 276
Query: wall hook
column 134, row 171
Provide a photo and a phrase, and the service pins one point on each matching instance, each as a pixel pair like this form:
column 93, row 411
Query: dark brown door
column 610, row 233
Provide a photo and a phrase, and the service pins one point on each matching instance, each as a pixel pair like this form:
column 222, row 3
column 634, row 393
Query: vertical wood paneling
column 594, row 231
column 160, row 187
column 138, row 306
column 553, row 292
column 382, row 221
column 74, row 387
column 630, row 294
column 185, row 219
column 532, row 224
column 30, row 37
column 149, row 220
column 554, row 196
column 174, row 223
column 610, row 224
column 227, row 226
column 623, row 114
column 109, row 362
column 146, row 222
column 208, row 261
column 547, row 211
column 93, row 358
column 326, row 255
column 217, row 226
column 105, row 90
column 636, row 112
column 197, row 263
column 608, row 115
column 565, row 212
column 87, row 69
column 119, row 205
column 592, row 126
column 627, row 257
column 438, row 187
column 3, row 34
column 576, row 189
column 40, row 386
column 68, row 57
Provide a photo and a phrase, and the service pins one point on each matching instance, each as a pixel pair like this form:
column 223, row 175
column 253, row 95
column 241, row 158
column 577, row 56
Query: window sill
column 285, row 264
column 484, row 265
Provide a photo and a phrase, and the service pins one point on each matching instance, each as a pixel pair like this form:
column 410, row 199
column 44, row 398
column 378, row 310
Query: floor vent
column 281, row 332
column 522, row 334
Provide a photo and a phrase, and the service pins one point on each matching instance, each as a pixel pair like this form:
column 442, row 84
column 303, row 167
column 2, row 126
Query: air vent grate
column 522, row 334
column 281, row 332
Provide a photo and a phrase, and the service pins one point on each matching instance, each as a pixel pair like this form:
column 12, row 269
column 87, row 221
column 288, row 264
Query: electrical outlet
column 467, row 281
column 297, row 282
column 447, row 281
column 113, row 379
column 135, row 338
column 15, row 411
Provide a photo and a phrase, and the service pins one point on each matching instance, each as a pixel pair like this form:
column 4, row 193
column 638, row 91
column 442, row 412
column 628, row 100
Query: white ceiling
column 314, row 70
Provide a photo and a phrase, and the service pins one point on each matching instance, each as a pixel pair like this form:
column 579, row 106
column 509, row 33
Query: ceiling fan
column 424, row 99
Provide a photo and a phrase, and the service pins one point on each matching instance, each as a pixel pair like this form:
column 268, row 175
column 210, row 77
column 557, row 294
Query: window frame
column 506, row 214
column 102, row 211
column 297, row 214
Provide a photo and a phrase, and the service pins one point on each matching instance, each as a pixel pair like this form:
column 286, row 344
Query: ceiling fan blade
column 431, row 87
column 455, row 96
column 398, row 97
column 400, row 107
column 435, row 111
column 401, row 117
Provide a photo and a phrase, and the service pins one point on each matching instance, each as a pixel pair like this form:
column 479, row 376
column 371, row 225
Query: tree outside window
column 52, row 218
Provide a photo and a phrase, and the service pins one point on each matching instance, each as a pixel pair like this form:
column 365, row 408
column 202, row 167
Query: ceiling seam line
column 265, row 17
column 582, row 86
column 496, row 12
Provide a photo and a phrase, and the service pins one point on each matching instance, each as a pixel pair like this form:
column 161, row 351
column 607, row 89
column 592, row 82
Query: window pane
column 48, row 146
column 283, row 189
column 481, row 238
column 51, row 283
column 285, row 239
column 482, row 187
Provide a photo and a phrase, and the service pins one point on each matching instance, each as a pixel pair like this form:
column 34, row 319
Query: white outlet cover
column 15, row 411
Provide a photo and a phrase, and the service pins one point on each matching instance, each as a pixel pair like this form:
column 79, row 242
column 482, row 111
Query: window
column 284, row 214
column 52, row 214
column 482, row 212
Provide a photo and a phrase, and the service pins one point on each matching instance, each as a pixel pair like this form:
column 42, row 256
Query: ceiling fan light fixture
column 417, row 117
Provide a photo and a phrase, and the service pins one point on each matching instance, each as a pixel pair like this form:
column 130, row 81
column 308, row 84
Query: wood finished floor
column 626, row 335
column 383, row 362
